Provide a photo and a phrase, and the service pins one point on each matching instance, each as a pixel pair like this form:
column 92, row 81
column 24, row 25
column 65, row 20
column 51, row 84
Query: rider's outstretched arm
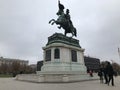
column 58, row 1
column 61, row 7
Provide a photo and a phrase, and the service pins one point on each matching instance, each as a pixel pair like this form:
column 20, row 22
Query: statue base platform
column 63, row 62
column 56, row 77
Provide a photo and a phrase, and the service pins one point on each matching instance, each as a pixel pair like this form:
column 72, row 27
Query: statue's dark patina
column 64, row 21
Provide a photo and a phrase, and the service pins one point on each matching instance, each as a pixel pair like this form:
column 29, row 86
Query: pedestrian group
column 106, row 73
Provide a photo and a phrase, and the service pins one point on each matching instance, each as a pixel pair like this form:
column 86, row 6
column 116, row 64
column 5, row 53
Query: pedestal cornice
column 60, row 38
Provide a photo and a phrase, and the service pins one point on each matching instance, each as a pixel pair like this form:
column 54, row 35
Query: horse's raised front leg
column 51, row 21
column 59, row 27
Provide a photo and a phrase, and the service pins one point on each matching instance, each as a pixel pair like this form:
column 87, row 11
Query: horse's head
column 59, row 12
column 61, row 19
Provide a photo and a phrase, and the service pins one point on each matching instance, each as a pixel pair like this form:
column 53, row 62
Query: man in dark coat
column 105, row 73
column 110, row 73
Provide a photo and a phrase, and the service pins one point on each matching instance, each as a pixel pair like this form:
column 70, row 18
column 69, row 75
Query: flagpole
column 119, row 52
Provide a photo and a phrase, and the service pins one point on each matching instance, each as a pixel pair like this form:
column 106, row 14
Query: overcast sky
column 24, row 27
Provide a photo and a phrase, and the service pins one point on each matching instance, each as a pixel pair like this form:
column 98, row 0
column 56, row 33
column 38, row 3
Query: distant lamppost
column 119, row 52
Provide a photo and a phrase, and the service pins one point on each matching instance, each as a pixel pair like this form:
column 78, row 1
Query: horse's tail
column 75, row 32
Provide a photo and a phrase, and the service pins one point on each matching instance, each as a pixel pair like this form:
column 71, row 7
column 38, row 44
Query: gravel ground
column 12, row 84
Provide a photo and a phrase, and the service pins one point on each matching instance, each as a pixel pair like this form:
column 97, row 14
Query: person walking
column 110, row 73
column 100, row 74
column 91, row 73
column 105, row 72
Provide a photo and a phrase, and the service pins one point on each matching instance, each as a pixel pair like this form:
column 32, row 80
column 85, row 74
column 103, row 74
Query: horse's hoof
column 59, row 27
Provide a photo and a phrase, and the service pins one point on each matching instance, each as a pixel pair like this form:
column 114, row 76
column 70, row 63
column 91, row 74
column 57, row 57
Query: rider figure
column 67, row 16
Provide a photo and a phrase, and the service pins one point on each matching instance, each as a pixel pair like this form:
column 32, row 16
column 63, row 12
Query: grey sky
column 24, row 27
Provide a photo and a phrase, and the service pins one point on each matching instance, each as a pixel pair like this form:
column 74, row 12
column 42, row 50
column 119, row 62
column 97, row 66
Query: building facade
column 9, row 61
column 92, row 63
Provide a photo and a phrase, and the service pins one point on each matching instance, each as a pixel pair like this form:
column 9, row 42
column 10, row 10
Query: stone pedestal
column 63, row 54
column 63, row 62
column 63, row 59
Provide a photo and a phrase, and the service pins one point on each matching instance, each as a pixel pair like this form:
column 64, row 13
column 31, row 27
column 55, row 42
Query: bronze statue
column 64, row 20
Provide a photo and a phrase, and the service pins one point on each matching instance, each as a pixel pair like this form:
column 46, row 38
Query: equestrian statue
column 64, row 21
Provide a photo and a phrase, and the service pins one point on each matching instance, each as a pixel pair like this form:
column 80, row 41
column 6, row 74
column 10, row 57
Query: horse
column 65, row 24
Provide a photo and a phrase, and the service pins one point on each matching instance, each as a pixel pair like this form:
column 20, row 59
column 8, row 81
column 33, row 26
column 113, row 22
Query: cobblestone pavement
column 12, row 84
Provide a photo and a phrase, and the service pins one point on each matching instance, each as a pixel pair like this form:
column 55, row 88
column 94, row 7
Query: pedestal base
column 63, row 66
column 63, row 62
column 57, row 77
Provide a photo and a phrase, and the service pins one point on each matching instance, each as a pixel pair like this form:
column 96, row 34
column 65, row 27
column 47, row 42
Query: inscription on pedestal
column 56, row 53
column 48, row 55
column 74, row 55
